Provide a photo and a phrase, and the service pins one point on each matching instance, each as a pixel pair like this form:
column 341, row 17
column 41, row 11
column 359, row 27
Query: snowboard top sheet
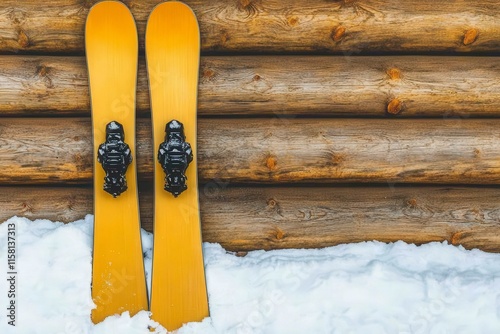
column 118, row 279
column 178, row 292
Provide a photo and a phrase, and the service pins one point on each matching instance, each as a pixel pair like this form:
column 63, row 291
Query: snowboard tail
column 178, row 293
column 118, row 277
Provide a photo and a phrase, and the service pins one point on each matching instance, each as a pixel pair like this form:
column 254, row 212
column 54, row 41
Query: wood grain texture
column 270, row 218
column 274, row 26
column 408, row 86
column 250, row 218
column 273, row 150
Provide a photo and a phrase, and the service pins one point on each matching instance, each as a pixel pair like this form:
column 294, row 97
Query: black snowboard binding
column 115, row 156
column 175, row 155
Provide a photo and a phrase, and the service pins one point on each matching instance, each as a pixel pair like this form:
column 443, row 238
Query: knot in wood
column 208, row 74
column 279, row 234
column 338, row 33
column 271, row 162
column 23, row 39
column 412, row 203
column 26, row 208
column 272, row 203
column 394, row 73
column 42, row 70
column 394, row 107
column 470, row 36
column 456, row 238
column 293, row 21
column 337, row 158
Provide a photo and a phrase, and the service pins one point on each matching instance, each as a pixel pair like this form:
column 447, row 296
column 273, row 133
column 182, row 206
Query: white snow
column 368, row 287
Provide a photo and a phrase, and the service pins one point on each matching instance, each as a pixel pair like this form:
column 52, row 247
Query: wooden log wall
column 320, row 122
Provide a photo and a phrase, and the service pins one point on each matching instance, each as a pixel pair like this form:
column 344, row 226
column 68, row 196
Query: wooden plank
column 263, row 85
column 248, row 218
column 271, row 218
column 274, row 26
column 59, row 204
column 273, row 150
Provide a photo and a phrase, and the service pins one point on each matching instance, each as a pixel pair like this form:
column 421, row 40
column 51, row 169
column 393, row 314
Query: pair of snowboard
column 178, row 289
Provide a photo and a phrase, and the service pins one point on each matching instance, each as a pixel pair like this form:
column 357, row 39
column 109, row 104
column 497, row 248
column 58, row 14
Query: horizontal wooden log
column 276, row 150
column 263, row 85
column 337, row 26
column 244, row 219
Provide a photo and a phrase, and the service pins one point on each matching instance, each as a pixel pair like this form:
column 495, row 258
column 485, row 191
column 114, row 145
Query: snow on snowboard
column 178, row 292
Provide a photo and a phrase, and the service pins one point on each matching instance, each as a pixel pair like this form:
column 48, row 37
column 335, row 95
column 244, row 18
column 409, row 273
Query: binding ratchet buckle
column 115, row 156
column 174, row 156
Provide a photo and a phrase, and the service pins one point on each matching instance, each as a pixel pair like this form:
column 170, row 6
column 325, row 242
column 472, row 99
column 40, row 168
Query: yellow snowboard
column 178, row 293
column 118, row 279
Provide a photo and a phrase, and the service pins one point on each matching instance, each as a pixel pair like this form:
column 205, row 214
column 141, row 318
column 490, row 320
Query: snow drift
column 368, row 287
